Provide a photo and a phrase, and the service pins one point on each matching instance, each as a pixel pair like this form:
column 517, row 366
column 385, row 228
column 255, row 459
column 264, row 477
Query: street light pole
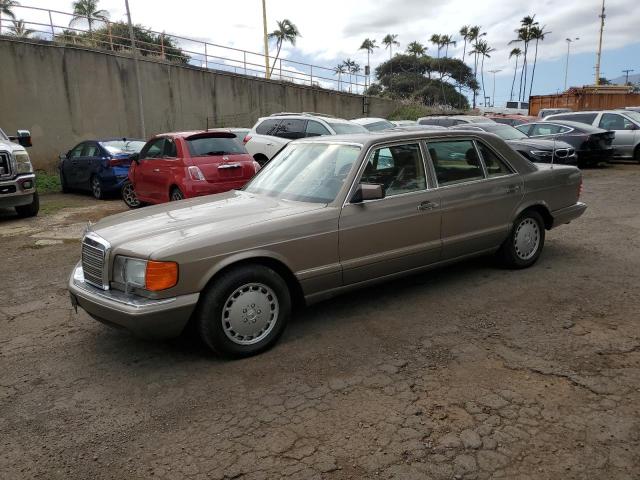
column 266, row 38
column 566, row 67
column 627, row 72
column 493, row 97
column 136, row 61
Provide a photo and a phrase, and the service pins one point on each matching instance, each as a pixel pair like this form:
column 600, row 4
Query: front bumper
column 13, row 192
column 144, row 317
column 565, row 215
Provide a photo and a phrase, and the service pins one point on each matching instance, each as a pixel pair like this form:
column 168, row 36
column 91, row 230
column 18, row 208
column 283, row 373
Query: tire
column 244, row 311
column 63, row 184
column 129, row 196
column 636, row 154
column 96, row 188
column 523, row 246
column 30, row 210
column 261, row 159
column 175, row 194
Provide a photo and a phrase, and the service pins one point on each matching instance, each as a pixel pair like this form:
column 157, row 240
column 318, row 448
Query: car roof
column 305, row 116
column 368, row 120
column 568, row 123
column 191, row 133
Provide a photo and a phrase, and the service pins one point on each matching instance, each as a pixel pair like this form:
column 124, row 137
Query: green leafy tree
column 516, row 52
column 286, row 32
column 416, row 49
column 20, row 30
column 6, row 8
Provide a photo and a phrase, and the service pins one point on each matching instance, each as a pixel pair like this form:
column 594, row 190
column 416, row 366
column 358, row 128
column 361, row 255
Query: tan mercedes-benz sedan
column 324, row 216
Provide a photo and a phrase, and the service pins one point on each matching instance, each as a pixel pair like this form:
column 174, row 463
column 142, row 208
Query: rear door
column 265, row 142
column 316, row 129
column 625, row 130
column 88, row 164
column 479, row 193
column 399, row 232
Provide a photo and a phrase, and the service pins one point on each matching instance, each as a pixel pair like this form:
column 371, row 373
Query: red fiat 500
column 173, row 166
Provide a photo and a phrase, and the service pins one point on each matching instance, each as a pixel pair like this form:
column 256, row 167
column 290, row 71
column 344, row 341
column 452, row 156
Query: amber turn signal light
column 160, row 275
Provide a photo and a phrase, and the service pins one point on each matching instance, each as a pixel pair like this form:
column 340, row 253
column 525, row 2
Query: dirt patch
column 470, row 372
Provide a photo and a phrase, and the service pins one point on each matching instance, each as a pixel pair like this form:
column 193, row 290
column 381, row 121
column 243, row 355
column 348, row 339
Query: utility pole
column 136, row 61
column 599, row 54
column 266, row 39
column 493, row 97
column 626, row 73
column 566, row 66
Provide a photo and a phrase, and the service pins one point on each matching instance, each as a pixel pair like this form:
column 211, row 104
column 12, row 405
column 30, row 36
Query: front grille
column 5, row 165
column 93, row 262
column 562, row 153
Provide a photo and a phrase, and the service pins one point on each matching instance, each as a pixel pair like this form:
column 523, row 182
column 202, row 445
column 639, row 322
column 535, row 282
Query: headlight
column 541, row 153
column 23, row 163
column 150, row 275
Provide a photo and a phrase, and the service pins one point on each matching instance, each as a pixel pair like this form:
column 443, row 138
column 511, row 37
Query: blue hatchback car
column 98, row 166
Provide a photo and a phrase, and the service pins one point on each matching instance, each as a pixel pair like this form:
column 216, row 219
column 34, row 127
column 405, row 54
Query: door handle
column 156, row 169
column 513, row 188
column 269, row 144
column 229, row 165
column 427, row 206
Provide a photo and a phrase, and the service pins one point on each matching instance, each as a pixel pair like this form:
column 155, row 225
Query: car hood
column 9, row 146
column 539, row 143
column 147, row 230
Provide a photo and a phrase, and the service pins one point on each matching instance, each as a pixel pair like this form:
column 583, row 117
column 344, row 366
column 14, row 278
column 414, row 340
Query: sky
column 332, row 30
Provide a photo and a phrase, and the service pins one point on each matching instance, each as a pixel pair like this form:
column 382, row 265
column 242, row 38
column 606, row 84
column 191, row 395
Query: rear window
column 587, row 118
column 377, row 126
column 205, row 146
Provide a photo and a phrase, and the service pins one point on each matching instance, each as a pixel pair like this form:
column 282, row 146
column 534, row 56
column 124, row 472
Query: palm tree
column 475, row 35
column 465, row 33
column 20, row 29
column 355, row 69
column 286, row 32
column 416, row 49
column 524, row 35
column 537, row 34
column 390, row 40
column 446, row 41
column 6, row 8
column 88, row 10
column 368, row 45
column 516, row 52
column 340, row 70
column 349, row 64
column 482, row 49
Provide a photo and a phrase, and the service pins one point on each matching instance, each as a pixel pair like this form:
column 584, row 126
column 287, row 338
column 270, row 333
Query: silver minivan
column 625, row 124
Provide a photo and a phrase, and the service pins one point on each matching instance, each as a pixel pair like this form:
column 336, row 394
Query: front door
column 399, row 232
column 479, row 194
column 145, row 171
column 626, row 132
column 70, row 166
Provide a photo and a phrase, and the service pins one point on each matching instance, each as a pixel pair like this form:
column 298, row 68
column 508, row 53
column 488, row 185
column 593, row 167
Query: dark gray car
column 326, row 215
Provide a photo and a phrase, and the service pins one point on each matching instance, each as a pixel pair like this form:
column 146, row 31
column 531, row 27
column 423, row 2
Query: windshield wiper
column 218, row 152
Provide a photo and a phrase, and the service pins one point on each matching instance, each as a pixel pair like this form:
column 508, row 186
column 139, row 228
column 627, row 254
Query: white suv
column 270, row 134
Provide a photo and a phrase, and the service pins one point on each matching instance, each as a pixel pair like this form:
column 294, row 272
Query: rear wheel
column 96, row 188
column 244, row 311
column 261, row 159
column 129, row 196
column 176, row 194
column 523, row 246
column 63, row 183
column 30, row 210
column 636, row 154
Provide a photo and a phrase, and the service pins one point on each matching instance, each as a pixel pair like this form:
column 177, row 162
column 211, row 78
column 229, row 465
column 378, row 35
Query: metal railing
column 53, row 25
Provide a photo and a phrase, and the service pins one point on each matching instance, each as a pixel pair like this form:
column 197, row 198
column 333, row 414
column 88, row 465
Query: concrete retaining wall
column 65, row 95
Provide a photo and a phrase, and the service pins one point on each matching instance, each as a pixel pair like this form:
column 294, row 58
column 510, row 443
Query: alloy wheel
column 250, row 313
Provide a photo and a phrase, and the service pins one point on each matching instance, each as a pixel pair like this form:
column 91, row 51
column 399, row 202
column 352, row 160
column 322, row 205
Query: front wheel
column 176, row 194
column 30, row 210
column 524, row 244
column 244, row 311
column 129, row 196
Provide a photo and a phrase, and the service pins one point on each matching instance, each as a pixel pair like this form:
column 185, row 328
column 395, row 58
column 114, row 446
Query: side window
column 153, row 149
column 587, row 118
column 495, row 166
column 455, row 162
column 564, row 130
column 268, row 127
column 292, row 128
column 76, row 152
column 612, row 121
column 398, row 168
column 170, row 149
column 316, row 129
column 545, row 129
column 91, row 150
column 526, row 129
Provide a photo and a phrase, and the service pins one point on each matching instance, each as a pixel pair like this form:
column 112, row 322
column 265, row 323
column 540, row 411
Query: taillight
column 195, row 173
column 256, row 166
column 113, row 162
column 246, row 139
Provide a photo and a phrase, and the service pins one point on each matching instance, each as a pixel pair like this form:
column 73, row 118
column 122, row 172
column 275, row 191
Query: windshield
column 507, row 132
column 3, row 136
column 341, row 128
column 377, row 126
column 205, row 146
column 633, row 115
column 306, row 172
column 123, row 146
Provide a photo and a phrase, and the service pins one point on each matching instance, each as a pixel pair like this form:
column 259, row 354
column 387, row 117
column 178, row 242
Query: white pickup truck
column 17, row 180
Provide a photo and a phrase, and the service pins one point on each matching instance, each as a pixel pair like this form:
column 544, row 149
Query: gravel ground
column 466, row 372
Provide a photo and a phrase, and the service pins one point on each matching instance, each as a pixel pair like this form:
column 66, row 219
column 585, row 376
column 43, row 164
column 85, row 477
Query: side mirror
column 368, row 191
column 24, row 138
column 135, row 157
